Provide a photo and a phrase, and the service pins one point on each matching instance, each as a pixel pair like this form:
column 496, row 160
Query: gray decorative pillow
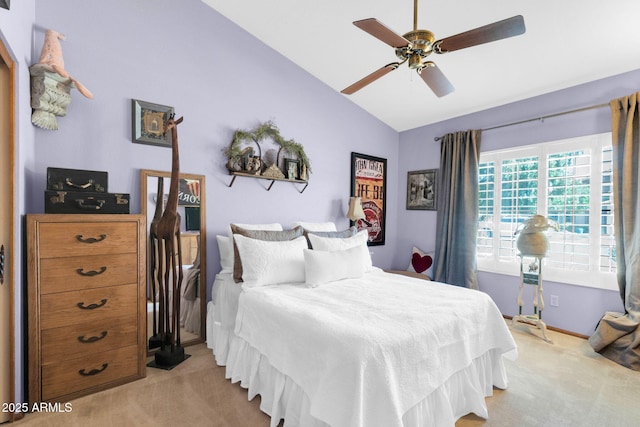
column 349, row 232
column 268, row 235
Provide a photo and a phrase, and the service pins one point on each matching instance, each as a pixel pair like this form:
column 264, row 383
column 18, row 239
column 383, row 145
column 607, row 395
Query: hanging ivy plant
column 267, row 130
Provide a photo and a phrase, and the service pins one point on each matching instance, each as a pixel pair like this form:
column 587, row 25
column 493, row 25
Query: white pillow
column 273, row 226
column 225, row 246
column 421, row 262
column 271, row 262
column 316, row 226
column 338, row 244
column 328, row 266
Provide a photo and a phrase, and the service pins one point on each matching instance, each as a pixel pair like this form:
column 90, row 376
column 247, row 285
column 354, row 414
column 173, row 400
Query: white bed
column 379, row 349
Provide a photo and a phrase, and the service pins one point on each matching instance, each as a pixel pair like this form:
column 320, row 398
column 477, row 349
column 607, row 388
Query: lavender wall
column 219, row 78
column 580, row 307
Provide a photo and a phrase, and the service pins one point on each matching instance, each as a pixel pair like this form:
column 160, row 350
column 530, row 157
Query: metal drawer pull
column 81, row 239
column 93, row 371
column 84, row 340
column 91, row 273
column 92, row 306
column 2, row 265
column 82, row 204
column 71, row 184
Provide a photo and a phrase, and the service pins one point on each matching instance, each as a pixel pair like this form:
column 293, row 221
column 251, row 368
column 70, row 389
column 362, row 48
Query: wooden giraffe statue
column 169, row 248
column 155, row 340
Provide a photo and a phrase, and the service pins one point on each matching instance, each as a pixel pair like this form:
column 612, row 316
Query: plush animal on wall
column 51, row 56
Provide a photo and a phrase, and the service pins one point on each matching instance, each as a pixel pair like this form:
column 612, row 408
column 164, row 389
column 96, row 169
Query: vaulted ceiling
column 566, row 43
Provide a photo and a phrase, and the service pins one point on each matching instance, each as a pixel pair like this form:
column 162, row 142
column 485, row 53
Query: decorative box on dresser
column 86, row 303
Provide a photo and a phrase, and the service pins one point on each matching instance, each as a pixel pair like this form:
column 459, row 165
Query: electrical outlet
column 555, row 301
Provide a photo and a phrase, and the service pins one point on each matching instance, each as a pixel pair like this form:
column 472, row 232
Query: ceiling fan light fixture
column 415, row 62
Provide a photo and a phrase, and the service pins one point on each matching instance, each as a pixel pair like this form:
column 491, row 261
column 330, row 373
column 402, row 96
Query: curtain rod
column 592, row 107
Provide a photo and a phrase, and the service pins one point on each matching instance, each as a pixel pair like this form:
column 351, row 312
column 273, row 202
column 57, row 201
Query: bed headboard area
column 307, row 252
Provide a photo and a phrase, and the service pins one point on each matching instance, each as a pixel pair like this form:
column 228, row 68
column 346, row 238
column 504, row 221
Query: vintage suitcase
column 74, row 202
column 59, row 179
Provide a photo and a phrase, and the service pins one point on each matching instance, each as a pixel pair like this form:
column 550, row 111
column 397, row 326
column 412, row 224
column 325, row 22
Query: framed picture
column 421, row 190
column 369, row 182
column 148, row 122
column 292, row 168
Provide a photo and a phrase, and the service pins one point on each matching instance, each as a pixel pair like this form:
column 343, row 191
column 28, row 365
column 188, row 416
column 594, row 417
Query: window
column 567, row 181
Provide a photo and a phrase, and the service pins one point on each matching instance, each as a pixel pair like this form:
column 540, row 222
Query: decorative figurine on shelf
column 51, row 84
column 253, row 165
column 303, row 172
column 273, row 171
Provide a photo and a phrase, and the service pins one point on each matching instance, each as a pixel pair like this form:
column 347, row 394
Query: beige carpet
column 560, row 384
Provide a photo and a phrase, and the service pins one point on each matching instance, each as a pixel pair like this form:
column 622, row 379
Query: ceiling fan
column 415, row 46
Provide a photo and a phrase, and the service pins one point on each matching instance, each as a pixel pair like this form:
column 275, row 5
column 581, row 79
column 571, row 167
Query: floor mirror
column 192, row 210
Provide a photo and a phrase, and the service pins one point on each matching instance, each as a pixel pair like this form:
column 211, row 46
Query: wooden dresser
column 189, row 244
column 86, row 303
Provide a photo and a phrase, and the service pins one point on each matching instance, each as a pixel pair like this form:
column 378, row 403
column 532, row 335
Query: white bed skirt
column 281, row 398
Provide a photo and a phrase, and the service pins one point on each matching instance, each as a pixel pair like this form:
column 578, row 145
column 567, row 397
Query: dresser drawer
column 73, row 307
column 88, row 338
column 82, row 373
column 87, row 272
column 87, row 238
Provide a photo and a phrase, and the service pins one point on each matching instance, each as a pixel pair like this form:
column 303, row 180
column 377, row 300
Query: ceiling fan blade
column 499, row 30
column 435, row 79
column 380, row 31
column 370, row 78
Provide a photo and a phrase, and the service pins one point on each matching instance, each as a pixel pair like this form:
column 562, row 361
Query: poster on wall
column 188, row 192
column 369, row 182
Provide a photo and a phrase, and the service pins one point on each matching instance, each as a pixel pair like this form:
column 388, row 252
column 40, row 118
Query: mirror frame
column 145, row 174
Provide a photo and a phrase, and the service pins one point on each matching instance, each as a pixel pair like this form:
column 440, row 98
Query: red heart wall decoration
column 421, row 263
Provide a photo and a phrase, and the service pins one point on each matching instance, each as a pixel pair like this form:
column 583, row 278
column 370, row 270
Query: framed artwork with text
column 369, row 182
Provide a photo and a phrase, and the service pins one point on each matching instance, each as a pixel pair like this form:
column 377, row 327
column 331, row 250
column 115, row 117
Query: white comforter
column 367, row 350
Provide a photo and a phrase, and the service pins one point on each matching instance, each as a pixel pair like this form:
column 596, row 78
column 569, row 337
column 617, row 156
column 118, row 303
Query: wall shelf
column 273, row 180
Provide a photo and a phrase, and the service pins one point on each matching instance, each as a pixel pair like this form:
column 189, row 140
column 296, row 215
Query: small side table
column 531, row 274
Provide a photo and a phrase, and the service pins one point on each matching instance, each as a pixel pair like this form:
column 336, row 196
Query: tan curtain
column 457, row 201
column 617, row 336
